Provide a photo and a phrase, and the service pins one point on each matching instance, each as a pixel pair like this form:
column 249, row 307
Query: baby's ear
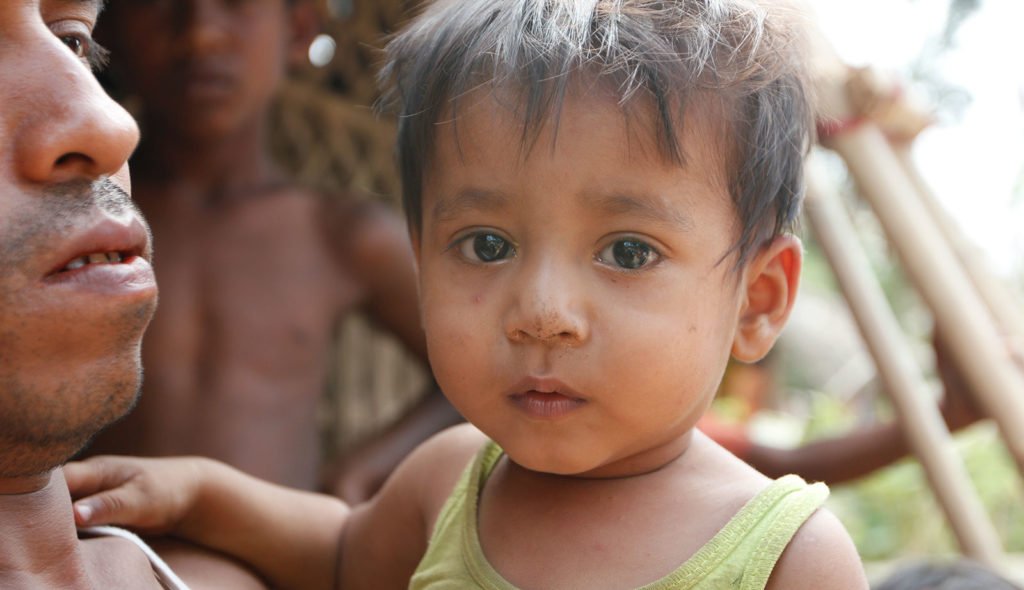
column 770, row 282
column 305, row 25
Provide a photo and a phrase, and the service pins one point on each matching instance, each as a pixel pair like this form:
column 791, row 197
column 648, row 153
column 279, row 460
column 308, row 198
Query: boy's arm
column 858, row 453
column 290, row 537
column 372, row 243
column 820, row 555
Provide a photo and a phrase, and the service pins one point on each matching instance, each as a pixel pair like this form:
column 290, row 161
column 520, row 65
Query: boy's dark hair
column 959, row 575
column 743, row 53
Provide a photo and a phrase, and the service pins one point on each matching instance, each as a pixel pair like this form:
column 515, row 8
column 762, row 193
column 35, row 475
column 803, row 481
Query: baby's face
column 577, row 305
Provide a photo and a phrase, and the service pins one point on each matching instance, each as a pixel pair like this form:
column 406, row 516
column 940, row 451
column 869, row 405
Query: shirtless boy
column 599, row 194
column 255, row 271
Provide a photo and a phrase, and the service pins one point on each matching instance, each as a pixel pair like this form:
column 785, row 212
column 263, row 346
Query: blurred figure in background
column 837, row 459
column 255, row 271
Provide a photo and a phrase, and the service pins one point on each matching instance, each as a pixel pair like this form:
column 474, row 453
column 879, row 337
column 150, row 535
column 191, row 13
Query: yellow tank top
column 741, row 556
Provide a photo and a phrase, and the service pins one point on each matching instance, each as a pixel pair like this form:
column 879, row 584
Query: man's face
column 76, row 288
column 203, row 68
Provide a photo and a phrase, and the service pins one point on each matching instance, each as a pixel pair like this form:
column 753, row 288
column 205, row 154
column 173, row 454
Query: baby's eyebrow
column 469, row 199
column 654, row 209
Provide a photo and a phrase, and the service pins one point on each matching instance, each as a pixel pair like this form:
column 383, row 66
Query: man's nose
column 548, row 306
column 73, row 130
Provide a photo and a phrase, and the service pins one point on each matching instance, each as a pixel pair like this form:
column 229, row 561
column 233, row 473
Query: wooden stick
column 918, row 414
column 1005, row 308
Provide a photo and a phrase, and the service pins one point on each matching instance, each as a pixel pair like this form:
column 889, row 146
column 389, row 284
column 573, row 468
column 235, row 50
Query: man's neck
column 39, row 545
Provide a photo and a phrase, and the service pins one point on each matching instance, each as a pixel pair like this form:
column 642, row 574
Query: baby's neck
column 647, row 462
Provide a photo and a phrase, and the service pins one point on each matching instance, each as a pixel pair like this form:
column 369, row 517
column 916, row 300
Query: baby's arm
column 288, row 536
column 820, row 555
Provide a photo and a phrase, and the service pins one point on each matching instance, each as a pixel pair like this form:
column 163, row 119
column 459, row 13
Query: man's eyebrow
column 95, row 5
column 468, row 199
column 648, row 207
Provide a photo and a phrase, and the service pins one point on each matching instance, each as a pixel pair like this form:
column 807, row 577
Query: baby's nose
column 548, row 307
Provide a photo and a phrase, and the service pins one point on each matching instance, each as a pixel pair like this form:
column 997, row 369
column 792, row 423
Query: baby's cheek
column 454, row 343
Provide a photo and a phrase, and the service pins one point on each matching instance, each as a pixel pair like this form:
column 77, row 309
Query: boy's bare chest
column 254, row 285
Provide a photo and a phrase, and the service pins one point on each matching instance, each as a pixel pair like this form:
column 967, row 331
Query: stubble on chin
column 41, row 430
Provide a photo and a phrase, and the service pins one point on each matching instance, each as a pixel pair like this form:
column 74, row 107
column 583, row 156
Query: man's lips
column 109, row 258
column 108, row 241
column 545, row 398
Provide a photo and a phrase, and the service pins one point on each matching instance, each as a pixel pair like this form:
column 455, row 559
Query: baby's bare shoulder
column 386, row 537
column 820, row 555
column 437, row 464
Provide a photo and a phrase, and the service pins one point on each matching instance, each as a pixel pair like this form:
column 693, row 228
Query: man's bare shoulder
column 117, row 562
column 820, row 555
column 201, row 568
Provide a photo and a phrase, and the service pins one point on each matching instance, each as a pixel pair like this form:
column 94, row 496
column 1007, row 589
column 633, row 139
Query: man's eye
column 629, row 254
column 77, row 45
column 485, row 247
column 86, row 50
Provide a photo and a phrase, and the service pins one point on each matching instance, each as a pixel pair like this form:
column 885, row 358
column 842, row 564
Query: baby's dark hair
column 743, row 53
column 958, row 575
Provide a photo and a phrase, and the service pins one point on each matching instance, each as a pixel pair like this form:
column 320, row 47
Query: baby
column 599, row 194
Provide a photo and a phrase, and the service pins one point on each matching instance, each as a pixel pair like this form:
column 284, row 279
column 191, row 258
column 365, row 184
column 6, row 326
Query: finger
column 89, row 477
column 120, row 506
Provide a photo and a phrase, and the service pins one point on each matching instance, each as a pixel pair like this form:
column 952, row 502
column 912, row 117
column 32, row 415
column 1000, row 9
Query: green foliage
column 894, row 514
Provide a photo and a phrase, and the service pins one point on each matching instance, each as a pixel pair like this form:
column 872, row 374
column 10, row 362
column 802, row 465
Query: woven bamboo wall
column 326, row 134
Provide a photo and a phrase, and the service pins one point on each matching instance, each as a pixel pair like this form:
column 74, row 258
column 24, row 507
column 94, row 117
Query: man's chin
column 40, row 443
column 27, row 459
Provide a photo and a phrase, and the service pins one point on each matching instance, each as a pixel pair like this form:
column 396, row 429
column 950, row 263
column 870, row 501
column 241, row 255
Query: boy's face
column 205, row 66
column 577, row 306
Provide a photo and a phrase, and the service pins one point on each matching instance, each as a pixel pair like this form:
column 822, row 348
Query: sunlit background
column 965, row 58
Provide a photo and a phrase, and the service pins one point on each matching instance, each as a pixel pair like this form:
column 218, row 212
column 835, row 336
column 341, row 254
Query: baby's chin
column 575, row 462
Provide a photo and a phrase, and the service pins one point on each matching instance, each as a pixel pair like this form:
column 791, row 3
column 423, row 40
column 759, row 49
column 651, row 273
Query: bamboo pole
column 1005, row 308
column 959, row 312
column 974, row 340
column 919, row 416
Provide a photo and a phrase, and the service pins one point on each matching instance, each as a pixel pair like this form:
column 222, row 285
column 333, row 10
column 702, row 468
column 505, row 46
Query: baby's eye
column 629, row 254
column 485, row 247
